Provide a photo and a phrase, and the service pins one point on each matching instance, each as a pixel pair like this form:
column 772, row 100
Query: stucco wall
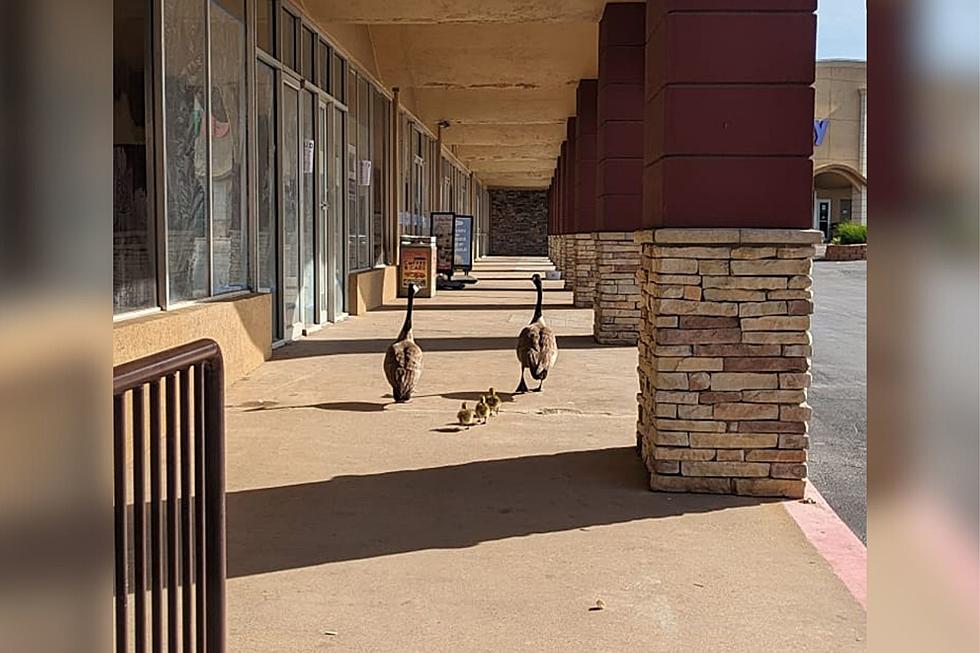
column 242, row 327
column 372, row 288
column 518, row 222
column 838, row 98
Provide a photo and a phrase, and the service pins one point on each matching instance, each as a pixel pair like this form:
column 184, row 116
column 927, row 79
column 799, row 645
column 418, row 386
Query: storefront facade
column 263, row 178
column 840, row 160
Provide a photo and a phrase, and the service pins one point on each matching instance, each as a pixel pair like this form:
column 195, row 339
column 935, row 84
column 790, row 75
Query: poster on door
column 442, row 229
column 463, row 242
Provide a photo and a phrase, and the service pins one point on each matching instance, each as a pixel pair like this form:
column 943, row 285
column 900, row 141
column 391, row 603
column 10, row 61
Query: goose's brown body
column 537, row 346
column 403, row 359
column 537, row 349
column 403, row 367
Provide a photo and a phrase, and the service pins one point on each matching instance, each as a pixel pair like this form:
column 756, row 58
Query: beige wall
column 372, row 288
column 242, row 327
column 838, row 86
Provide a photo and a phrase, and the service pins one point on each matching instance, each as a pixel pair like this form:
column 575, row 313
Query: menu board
column 442, row 228
column 463, row 242
column 415, row 266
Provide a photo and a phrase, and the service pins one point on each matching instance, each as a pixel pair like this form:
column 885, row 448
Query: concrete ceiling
column 502, row 73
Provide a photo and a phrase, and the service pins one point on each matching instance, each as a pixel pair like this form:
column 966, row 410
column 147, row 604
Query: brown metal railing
column 185, row 510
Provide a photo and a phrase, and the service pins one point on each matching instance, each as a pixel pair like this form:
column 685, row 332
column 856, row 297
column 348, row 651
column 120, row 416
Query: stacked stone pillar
column 619, row 145
column 725, row 350
column 725, row 359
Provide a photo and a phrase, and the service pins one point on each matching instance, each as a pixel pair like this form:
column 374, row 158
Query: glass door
column 324, row 258
column 291, row 155
column 823, row 218
column 338, row 215
column 308, row 231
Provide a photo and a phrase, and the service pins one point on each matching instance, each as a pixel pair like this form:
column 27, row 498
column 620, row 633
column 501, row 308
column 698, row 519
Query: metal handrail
column 192, row 466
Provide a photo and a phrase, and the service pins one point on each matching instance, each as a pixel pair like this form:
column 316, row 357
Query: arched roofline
column 846, row 171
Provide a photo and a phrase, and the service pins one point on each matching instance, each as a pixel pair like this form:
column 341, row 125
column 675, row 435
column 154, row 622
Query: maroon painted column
column 724, row 354
column 586, row 125
column 619, row 173
column 561, row 206
column 570, row 203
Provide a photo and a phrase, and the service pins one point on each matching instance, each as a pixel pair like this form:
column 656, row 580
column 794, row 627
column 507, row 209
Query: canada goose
column 482, row 409
column 403, row 360
column 494, row 401
column 537, row 347
column 465, row 416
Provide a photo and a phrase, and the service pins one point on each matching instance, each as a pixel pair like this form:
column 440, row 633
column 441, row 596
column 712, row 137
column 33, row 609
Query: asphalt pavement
column 838, row 394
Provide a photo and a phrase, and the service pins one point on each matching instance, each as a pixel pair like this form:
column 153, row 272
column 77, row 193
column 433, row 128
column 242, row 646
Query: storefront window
column 133, row 262
column 265, row 24
column 309, row 54
column 265, row 104
column 380, row 114
column 186, row 103
column 229, row 228
column 287, row 52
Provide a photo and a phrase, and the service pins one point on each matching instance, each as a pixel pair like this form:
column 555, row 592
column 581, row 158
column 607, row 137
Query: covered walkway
column 358, row 525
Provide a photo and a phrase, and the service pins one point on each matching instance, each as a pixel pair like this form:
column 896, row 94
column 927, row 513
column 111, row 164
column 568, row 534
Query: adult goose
column 537, row 347
column 403, row 360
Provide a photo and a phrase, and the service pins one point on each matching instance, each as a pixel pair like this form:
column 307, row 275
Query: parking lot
column 838, row 440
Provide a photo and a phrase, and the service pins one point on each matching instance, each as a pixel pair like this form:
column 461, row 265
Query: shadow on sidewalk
column 309, row 348
column 457, row 506
column 509, row 308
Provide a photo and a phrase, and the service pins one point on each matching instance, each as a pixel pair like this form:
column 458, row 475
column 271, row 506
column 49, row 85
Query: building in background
column 840, row 157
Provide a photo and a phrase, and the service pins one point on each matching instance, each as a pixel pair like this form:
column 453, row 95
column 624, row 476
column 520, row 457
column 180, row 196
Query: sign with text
column 415, row 265
column 442, row 228
column 463, row 242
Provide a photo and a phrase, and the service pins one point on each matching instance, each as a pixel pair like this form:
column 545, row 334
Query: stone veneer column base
column 617, row 294
column 582, row 271
column 568, row 256
column 557, row 253
column 724, row 359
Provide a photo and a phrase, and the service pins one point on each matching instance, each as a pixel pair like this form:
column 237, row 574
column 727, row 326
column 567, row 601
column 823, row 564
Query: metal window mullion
column 251, row 150
column 208, row 232
column 162, row 266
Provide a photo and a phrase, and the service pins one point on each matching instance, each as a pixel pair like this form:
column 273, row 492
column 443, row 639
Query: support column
column 619, row 154
column 570, row 203
column 561, row 203
column 551, row 221
column 724, row 356
column 586, row 99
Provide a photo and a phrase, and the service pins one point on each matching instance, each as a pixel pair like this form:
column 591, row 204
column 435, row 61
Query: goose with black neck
column 537, row 347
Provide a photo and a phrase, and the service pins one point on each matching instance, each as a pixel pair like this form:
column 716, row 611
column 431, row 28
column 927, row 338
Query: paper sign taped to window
column 308, row 150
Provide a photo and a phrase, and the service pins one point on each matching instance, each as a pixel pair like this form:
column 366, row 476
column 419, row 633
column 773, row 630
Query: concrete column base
column 617, row 295
column 582, row 270
column 724, row 359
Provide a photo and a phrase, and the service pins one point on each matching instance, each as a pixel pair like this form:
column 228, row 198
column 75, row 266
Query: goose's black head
column 536, row 279
column 412, row 289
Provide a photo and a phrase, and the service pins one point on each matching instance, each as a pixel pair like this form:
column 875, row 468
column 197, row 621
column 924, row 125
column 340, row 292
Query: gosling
column 494, row 401
column 482, row 409
column 465, row 416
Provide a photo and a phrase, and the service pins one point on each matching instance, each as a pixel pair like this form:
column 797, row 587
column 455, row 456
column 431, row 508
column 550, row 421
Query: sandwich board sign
column 463, row 242
column 441, row 226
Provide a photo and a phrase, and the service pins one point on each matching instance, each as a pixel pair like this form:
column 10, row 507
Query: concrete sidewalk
column 358, row 525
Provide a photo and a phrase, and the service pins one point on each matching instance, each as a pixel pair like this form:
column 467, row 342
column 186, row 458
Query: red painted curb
column 833, row 540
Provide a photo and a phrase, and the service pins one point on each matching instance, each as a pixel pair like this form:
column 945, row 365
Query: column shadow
column 457, row 506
